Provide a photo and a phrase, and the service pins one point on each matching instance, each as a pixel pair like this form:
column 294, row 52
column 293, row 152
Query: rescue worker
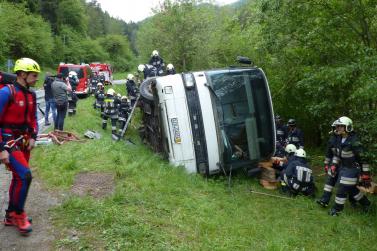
column 100, row 98
column 294, row 135
column 281, row 163
column 297, row 177
column 157, row 62
column 170, row 69
column 147, row 70
column 72, row 97
column 18, row 132
column 131, row 89
column 124, row 111
column 332, row 176
column 281, row 130
column 101, row 77
column 93, row 84
column 110, row 112
column 348, row 163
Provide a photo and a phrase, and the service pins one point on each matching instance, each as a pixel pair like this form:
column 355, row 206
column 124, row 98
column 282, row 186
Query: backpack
column 8, row 79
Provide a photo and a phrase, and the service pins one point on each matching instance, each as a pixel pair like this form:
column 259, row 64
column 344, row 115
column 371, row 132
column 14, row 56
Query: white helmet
column 110, row 92
column 155, row 53
column 130, row 76
column 290, row 148
column 99, row 84
column 170, row 67
column 124, row 98
column 345, row 121
column 72, row 73
column 300, row 153
column 141, row 67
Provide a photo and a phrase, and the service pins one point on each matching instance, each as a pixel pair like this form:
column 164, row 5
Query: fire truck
column 103, row 71
column 84, row 73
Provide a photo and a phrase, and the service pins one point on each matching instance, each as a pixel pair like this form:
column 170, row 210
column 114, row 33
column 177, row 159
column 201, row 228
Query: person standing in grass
column 60, row 87
column 18, row 132
column 349, row 163
column 49, row 99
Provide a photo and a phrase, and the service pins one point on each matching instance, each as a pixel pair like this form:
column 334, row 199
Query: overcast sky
column 136, row 10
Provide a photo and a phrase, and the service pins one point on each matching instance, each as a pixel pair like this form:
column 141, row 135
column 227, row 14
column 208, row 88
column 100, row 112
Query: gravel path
column 37, row 206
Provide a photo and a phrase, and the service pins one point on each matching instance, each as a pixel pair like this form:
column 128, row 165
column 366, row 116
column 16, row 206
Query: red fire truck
column 103, row 71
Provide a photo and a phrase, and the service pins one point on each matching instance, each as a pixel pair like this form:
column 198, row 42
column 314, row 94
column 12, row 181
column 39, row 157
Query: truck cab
column 211, row 121
column 84, row 73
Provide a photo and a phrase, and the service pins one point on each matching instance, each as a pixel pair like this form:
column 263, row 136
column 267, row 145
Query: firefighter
column 281, row 163
column 100, row 98
column 131, row 89
column 124, row 111
column 294, row 135
column 157, row 62
column 170, row 69
column 281, row 130
column 110, row 112
column 297, row 177
column 147, row 70
column 332, row 176
column 72, row 97
column 18, row 132
column 348, row 163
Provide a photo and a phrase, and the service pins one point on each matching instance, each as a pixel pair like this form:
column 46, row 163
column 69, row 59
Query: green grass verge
column 158, row 207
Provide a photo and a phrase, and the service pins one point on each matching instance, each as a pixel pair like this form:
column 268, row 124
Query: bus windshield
column 244, row 111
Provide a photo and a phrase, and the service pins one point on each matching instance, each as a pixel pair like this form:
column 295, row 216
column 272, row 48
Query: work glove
column 365, row 180
column 326, row 168
column 332, row 171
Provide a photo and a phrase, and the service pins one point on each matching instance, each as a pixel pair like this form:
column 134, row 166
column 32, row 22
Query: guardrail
column 42, row 105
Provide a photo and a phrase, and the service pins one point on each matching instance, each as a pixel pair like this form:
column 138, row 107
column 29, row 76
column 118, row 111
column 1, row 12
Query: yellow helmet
column 26, row 65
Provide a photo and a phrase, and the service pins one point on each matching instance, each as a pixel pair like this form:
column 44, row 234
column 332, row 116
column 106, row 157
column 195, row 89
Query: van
column 84, row 73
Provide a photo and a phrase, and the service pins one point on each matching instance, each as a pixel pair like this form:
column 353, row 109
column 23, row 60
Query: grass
column 158, row 207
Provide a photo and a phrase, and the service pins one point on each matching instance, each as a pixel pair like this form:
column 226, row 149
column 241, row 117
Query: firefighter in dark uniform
column 170, row 69
column 131, row 89
column 110, row 112
column 349, row 163
column 124, row 111
column 281, row 163
column 100, row 98
column 156, row 61
column 297, row 177
column 281, row 136
column 332, row 176
column 295, row 135
column 72, row 97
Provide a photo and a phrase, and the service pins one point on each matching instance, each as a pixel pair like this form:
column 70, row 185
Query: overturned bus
column 210, row 121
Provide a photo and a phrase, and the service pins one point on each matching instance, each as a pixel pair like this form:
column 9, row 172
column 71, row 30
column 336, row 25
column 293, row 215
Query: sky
column 136, row 10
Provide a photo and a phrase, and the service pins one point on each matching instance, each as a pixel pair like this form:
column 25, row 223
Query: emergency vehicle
column 103, row 69
column 84, row 73
column 210, row 121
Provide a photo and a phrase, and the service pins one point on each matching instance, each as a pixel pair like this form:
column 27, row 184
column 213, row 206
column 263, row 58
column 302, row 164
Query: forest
column 320, row 57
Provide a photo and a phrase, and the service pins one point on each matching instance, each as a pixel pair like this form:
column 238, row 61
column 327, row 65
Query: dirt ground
column 39, row 202
column 37, row 206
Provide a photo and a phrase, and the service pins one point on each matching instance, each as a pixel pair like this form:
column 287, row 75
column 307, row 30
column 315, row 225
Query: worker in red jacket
column 18, row 132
